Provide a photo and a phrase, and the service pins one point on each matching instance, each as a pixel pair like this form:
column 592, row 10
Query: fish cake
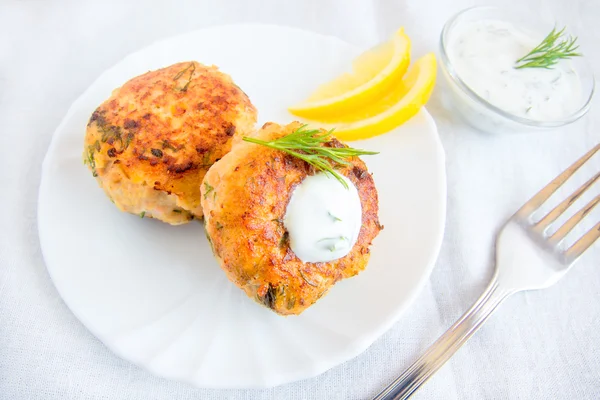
column 151, row 143
column 245, row 196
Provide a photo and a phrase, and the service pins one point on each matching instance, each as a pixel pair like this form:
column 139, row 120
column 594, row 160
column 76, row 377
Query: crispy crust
column 161, row 131
column 245, row 196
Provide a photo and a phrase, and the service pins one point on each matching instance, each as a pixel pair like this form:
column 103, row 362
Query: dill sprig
column 554, row 47
column 307, row 145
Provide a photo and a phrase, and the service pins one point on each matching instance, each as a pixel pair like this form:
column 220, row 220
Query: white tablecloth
column 539, row 345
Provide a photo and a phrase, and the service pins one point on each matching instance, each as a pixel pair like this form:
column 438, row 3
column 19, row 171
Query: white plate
column 154, row 294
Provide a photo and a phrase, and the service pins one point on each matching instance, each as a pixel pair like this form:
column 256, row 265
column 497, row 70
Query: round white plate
column 154, row 294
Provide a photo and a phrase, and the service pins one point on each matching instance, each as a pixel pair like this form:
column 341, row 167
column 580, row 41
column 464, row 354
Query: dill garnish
column 307, row 145
column 555, row 46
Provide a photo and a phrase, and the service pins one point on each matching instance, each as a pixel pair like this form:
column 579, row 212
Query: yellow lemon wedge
column 395, row 108
column 373, row 73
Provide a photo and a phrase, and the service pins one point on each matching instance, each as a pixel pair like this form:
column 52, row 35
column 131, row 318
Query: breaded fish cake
column 245, row 196
column 150, row 144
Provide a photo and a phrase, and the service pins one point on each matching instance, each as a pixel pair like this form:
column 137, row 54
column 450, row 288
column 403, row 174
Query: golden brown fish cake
column 245, row 196
column 150, row 144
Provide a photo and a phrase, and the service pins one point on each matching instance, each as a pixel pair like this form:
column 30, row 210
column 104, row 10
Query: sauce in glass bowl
column 484, row 52
column 479, row 49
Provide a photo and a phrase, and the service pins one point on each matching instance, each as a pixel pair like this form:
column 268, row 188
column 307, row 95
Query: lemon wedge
column 373, row 73
column 395, row 108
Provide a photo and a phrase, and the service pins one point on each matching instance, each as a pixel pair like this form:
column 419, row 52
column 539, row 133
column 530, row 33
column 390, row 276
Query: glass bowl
column 480, row 113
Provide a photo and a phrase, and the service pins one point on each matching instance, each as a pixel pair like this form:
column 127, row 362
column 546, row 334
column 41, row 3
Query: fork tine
column 584, row 243
column 536, row 201
column 562, row 207
column 573, row 221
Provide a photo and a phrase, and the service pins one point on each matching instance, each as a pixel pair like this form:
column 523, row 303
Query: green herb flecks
column 206, row 159
column 555, row 47
column 306, row 279
column 283, row 242
column 270, row 297
column 180, row 73
column 212, row 247
column 128, row 140
column 168, row 145
column 291, row 302
column 207, row 189
column 334, row 242
column 192, row 69
column 336, row 219
column 111, row 133
column 90, row 160
column 219, row 225
column 307, row 145
column 142, row 214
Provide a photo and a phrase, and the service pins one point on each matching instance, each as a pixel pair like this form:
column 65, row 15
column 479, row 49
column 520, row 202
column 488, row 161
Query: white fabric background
column 539, row 345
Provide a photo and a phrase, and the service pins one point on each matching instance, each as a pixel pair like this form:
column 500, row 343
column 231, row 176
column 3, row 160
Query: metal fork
column 527, row 257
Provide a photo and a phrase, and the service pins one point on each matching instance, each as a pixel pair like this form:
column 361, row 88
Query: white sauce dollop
column 323, row 218
column 483, row 54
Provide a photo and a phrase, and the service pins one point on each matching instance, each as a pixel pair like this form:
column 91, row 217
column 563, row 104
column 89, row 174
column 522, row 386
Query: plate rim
column 359, row 344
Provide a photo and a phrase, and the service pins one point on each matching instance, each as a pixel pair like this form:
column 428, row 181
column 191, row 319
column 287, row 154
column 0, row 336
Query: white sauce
column 483, row 54
column 323, row 218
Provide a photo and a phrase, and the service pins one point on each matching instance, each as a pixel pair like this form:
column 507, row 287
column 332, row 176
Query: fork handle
column 445, row 347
